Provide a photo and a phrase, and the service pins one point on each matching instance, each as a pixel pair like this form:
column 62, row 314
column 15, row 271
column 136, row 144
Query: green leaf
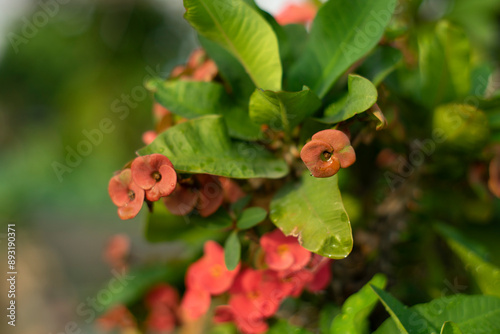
column 237, row 27
column 328, row 313
column 361, row 97
column 191, row 99
column 202, row 146
column 283, row 326
column 342, row 33
column 486, row 274
column 312, row 209
column 232, row 251
column 238, row 206
column 407, row 320
column 230, row 70
column 282, row 110
column 251, row 217
column 445, row 69
column 471, row 314
column 353, row 318
column 450, row 328
column 382, row 62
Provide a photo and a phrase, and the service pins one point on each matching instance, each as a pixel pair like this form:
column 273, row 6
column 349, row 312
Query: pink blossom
column 210, row 272
column 297, row 13
column 195, row 303
column 232, row 191
column 327, row 152
column 126, row 194
column 148, row 137
column 282, row 252
column 155, row 174
column 162, row 294
column 117, row 251
column 205, row 194
column 119, row 317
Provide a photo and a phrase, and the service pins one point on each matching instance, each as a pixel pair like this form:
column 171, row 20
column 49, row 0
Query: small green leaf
column 238, row 28
column 251, row 217
column 353, row 318
column 282, row 110
column 313, row 211
column 211, row 98
column 202, row 146
column 407, row 320
column 341, row 34
column 238, row 206
column 232, row 251
column 361, row 97
column 450, row 328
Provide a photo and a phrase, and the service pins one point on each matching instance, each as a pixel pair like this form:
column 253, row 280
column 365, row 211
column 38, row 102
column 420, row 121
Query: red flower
column 327, row 152
column 210, row 273
column 206, row 195
column 118, row 317
column 195, row 304
column 117, row 251
column 322, row 276
column 125, row 194
column 155, row 174
column 282, row 252
column 149, row 136
column 207, row 276
column 232, row 191
column 297, row 13
column 162, row 295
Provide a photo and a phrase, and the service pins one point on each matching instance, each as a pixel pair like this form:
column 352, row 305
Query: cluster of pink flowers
column 254, row 294
column 152, row 177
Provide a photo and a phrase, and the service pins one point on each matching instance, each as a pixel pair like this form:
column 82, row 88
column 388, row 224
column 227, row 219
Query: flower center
column 156, row 176
column 216, row 270
column 282, row 249
column 131, row 194
column 325, row 156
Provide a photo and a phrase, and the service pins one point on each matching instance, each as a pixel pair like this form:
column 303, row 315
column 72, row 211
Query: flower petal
column 181, row 201
column 118, row 187
column 312, row 153
column 211, row 195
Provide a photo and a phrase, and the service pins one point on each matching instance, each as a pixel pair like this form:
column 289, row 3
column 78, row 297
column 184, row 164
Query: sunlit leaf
column 312, row 209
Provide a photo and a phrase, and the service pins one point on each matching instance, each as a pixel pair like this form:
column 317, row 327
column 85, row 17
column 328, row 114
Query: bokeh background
column 64, row 67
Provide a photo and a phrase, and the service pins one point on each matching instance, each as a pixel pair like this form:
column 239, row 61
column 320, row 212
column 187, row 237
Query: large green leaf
column 237, row 27
column 191, row 99
column 361, row 96
column 353, row 318
column 282, row 110
column 470, row 314
column 312, row 209
column 342, row 33
column 445, row 68
column 486, row 274
column 230, row 69
column 202, row 146
column 407, row 320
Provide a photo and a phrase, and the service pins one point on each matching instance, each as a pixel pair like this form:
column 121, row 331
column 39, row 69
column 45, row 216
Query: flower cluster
column 255, row 294
column 327, row 152
column 151, row 177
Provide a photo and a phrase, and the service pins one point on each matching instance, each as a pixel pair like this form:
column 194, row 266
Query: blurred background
column 66, row 68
